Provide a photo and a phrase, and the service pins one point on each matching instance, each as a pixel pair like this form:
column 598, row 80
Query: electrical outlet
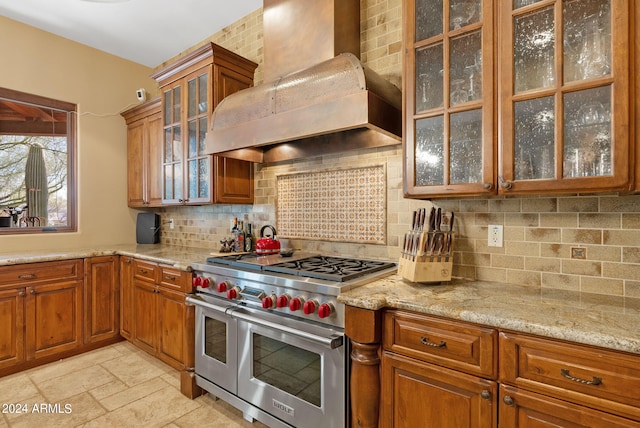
column 171, row 223
column 496, row 235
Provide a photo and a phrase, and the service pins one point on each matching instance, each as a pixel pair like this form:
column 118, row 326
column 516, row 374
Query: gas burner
column 329, row 268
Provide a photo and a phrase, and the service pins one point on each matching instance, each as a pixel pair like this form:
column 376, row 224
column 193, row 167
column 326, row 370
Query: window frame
column 72, row 185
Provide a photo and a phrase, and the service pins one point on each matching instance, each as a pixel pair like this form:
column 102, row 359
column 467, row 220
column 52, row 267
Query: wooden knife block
column 420, row 270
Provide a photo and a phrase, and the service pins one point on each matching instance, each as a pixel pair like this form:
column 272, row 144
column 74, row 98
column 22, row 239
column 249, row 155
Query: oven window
column 287, row 368
column 215, row 340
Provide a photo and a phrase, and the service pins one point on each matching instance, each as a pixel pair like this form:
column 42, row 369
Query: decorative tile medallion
column 346, row 205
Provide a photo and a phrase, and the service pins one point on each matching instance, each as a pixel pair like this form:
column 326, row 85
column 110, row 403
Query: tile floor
column 115, row 386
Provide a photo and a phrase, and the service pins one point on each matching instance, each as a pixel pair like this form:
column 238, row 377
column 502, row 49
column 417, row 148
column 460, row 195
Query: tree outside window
column 37, row 168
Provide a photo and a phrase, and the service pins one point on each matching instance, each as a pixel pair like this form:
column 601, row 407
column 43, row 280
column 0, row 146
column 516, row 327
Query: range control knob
column 269, row 302
column 197, row 280
column 282, row 301
column 296, row 303
column 205, row 283
column 309, row 307
column 222, row 287
column 233, row 293
column 325, row 310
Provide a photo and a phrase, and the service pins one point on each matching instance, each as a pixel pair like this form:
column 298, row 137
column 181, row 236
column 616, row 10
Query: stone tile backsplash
column 539, row 232
column 346, row 204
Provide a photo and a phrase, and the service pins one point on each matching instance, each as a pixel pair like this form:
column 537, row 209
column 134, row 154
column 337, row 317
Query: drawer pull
column 142, row 271
column 566, row 375
column 27, row 276
column 425, row 341
column 171, row 277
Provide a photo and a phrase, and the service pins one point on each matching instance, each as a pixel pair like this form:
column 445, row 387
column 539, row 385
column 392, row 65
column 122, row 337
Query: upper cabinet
column 191, row 89
column 564, row 95
column 560, row 119
column 448, row 97
column 144, row 139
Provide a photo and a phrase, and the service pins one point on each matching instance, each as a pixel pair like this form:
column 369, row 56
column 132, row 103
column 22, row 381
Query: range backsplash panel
column 347, row 205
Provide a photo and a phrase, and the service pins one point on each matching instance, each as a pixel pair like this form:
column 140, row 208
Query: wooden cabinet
column 419, row 387
column 524, row 409
column 410, row 369
column 449, row 144
column 561, row 118
column 101, row 298
column 53, row 318
column 564, row 96
column 191, row 89
column 582, row 379
column 161, row 321
column 41, row 312
column 144, row 156
column 126, row 297
column 12, row 317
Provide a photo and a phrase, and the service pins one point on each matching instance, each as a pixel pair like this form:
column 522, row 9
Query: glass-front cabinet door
column 186, row 167
column 198, row 163
column 564, row 95
column 449, row 103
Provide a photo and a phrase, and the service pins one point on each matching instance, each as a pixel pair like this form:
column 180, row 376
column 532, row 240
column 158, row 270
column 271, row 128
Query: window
column 37, row 164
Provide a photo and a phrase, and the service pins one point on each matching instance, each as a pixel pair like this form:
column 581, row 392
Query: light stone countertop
column 606, row 321
column 178, row 257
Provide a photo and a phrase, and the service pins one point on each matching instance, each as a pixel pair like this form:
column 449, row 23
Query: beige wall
column 539, row 231
column 101, row 85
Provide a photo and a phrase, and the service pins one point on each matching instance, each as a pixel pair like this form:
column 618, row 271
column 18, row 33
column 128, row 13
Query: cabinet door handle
column 22, row 293
column 426, row 341
column 487, row 186
column 485, row 394
column 594, row 381
column 505, row 184
column 32, row 291
column 27, row 276
column 508, row 400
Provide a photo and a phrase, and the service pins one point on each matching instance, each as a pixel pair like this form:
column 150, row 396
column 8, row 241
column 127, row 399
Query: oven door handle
column 334, row 341
column 196, row 300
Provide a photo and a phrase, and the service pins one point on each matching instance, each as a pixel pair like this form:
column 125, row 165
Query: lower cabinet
column 126, row 296
column 571, row 384
column 524, row 409
column 417, row 394
column 39, row 321
column 436, row 372
column 41, row 313
column 53, row 318
column 162, row 323
column 12, row 340
column 101, row 298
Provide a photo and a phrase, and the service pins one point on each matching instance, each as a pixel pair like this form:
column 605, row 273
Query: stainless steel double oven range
column 270, row 334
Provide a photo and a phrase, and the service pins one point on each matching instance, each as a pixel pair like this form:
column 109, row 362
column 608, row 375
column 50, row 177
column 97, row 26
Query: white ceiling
column 144, row 31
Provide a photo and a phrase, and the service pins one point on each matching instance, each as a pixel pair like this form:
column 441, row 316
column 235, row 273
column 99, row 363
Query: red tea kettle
column 267, row 245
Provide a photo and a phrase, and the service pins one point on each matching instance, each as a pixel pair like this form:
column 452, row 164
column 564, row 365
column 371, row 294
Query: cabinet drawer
column 32, row 273
column 176, row 279
column 457, row 345
column 147, row 271
column 599, row 378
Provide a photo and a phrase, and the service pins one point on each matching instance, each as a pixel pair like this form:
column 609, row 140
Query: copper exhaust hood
column 318, row 98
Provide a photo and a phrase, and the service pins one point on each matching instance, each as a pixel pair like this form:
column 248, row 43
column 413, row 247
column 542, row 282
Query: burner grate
column 329, row 268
